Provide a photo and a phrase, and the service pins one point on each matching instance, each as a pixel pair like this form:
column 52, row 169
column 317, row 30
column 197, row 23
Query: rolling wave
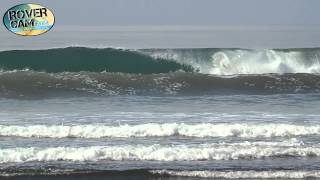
column 156, row 152
column 77, row 71
column 158, row 130
column 150, row 61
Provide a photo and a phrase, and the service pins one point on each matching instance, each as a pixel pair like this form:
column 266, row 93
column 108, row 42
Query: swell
column 32, row 84
column 160, row 130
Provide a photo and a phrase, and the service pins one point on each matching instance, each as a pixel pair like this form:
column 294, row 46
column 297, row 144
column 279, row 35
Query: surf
column 201, row 130
column 158, row 152
column 215, row 61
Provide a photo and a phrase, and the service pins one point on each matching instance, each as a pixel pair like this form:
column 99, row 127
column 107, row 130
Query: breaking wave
column 156, row 152
column 158, row 130
column 76, row 71
column 149, row 61
column 244, row 61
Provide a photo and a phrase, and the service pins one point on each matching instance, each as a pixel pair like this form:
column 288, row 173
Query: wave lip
column 291, row 174
column 202, row 152
column 159, row 130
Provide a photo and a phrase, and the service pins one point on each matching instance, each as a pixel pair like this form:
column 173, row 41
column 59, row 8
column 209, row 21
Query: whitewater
column 245, row 61
column 159, row 130
column 220, row 151
column 220, row 136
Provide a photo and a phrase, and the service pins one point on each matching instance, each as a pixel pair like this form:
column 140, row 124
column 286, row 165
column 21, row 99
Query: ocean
column 141, row 107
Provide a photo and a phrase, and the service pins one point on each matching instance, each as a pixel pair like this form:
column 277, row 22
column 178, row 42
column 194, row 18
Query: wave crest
column 219, row 151
column 242, row 61
column 158, row 130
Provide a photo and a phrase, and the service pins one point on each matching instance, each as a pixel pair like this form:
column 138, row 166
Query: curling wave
column 150, row 61
column 157, row 130
column 75, row 59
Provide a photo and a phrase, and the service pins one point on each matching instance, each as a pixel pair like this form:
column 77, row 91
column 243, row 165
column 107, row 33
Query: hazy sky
column 180, row 12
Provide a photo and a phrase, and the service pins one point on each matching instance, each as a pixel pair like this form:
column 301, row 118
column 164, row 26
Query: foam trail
column 215, row 151
column 157, row 130
column 292, row 174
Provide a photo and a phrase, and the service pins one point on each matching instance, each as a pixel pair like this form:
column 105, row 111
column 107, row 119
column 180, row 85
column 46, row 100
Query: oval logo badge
column 28, row 19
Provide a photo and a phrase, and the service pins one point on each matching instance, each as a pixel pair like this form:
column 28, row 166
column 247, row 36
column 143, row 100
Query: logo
column 28, row 19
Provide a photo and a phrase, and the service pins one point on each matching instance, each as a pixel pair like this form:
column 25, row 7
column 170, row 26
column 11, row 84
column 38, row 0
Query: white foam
column 232, row 62
column 166, row 129
column 218, row 151
column 292, row 174
column 261, row 62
